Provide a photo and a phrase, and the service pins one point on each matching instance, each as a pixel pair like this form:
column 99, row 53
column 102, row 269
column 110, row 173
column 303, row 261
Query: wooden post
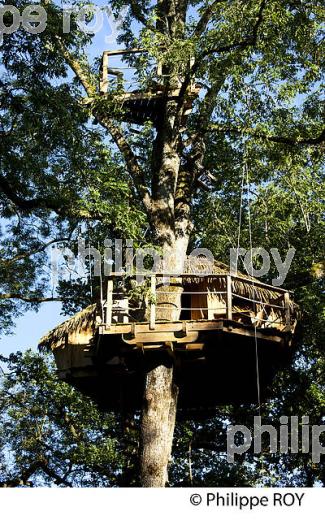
column 104, row 81
column 287, row 310
column 153, row 303
column 159, row 69
column 229, row 298
column 193, row 83
column 109, row 304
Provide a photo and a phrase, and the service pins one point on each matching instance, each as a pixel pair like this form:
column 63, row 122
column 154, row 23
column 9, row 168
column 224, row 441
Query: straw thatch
column 82, row 324
column 244, row 285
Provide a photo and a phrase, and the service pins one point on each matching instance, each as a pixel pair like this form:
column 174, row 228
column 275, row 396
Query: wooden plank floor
column 186, row 331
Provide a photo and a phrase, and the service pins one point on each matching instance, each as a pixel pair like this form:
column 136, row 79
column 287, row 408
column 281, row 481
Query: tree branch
column 83, row 76
column 129, row 158
column 23, row 478
column 194, row 166
column 115, row 131
column 20, row 202
column 205, row 18
column 41, row 464
column 250, row 41
column 27, row 299
column 28, row 254
column 50, row 472
column 140, row 17
column 291, row 141
column 28, row 205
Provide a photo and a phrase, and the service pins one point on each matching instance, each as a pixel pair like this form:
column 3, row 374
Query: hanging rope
column 257, row 363
column 245, row 177
column 101, row 287
column 240, row 212
column 90, row 269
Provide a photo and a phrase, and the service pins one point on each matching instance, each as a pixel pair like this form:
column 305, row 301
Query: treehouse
column 213, row 327
column 142, row 101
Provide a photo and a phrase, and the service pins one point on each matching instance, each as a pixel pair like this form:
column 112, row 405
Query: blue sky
column 31, row 327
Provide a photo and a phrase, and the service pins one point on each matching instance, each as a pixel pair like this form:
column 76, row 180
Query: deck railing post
column 153, row 303
column 229, row 297
column 159, row 68
column 104, row 81
column 109, row 303
column 287, row 310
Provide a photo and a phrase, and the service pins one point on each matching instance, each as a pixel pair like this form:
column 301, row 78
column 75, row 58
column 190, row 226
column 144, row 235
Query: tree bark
column 170, row 216
column 158, row 423
column 161, row 392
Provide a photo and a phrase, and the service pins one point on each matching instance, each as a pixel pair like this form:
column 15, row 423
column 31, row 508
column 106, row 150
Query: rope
column 90, row 269
column 240, row 216
column 246, row 174
column 257, row 364
column 101, row 288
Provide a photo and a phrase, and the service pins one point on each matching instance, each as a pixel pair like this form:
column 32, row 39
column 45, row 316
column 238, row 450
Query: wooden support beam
column 121, row 52
column 109, row 304
column 174, row 331
column 195, row 346
column 159, row 69
column 158, row 337
column 153, row 303
column 103, row 86
column 287, row 310
column 229, row 298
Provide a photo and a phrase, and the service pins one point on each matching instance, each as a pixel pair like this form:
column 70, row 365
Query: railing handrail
column 259, row 302
column 254, row 282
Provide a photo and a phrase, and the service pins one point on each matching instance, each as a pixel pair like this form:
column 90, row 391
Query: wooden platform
column 107, row 349
column 215, row 363
column 139, row 106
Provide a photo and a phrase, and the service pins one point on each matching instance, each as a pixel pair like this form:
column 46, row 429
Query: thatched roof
column 243, row 284
column 83, row 321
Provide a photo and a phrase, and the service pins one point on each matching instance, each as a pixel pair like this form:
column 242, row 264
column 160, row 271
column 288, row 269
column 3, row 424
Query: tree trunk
column 158, row 423
column 168, row 299
column 169, row 215
column 161, row 392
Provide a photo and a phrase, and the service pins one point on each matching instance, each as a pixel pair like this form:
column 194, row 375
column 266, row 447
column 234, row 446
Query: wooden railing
column 107, row 71
column 283, row 307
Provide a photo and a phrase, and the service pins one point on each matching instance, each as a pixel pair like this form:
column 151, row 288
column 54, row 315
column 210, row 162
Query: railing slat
column 109, row 303
column 287, row 310
column 153, row 304
column 229, row 298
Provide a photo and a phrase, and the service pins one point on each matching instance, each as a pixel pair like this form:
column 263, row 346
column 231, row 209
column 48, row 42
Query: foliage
column 52, row 435
column 69, row 168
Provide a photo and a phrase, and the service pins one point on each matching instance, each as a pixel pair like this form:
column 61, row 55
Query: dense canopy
column 251, row 151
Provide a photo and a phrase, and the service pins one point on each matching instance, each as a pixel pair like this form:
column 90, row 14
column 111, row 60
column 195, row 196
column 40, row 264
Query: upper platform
column 141, row 100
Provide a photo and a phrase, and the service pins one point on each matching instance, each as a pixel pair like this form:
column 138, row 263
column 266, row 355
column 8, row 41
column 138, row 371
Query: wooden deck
column 275, row 314
column 184, row 332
